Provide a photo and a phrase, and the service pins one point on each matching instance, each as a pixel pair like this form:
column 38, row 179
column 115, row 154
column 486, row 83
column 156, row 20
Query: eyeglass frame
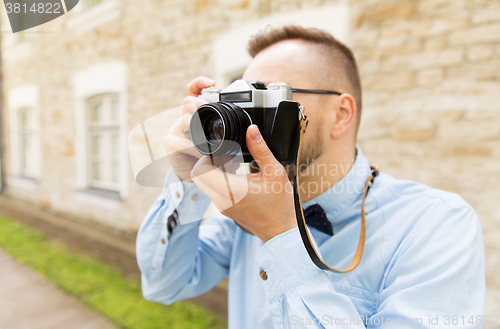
column 316, row 91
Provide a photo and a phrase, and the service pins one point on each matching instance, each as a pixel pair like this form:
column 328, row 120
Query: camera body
column 219, row 127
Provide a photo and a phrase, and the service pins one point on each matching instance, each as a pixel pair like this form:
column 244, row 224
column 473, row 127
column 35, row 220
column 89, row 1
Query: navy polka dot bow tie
column 316, row 217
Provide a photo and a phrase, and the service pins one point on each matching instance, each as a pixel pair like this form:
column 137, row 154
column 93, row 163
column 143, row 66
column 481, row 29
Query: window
column 24, row 135
column 101, row 155
column 26, row 138
column 104, row 142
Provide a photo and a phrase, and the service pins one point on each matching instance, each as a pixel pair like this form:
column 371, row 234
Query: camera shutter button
column 210, row 90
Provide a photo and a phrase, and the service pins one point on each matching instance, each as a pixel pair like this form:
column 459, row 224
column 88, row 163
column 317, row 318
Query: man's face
column 298, row 64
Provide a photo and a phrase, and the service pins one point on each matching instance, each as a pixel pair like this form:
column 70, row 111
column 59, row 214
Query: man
column 424, row 253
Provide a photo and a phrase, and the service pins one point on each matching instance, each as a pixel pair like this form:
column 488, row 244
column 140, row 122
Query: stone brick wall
column 430, row 71
column 431, row 78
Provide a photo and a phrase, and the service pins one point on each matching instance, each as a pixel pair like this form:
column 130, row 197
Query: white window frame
column 229, row 49
column 24, row 97
column 102, row 79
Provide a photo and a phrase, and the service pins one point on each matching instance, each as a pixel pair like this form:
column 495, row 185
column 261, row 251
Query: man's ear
column 345, row 115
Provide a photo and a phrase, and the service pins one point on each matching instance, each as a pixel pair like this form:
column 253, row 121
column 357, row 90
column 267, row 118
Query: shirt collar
column 344, row 193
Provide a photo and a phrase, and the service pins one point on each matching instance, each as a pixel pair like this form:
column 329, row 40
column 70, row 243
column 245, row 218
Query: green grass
column 101, row 286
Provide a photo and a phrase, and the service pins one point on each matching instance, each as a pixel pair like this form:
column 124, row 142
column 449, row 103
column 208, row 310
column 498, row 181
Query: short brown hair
column 341, row 57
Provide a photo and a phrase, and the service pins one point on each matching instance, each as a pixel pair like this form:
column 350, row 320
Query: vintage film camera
column 219, row 127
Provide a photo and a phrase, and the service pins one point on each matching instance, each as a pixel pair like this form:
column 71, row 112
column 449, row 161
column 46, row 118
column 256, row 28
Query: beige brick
column 439, row 26
column 429, row 7
column 467, row 149
column 436, row 43
column 479, row 52
column 487, row 14
column 395, row 31
column 493, row 294
column 369, row 66
column 395, row 81
column 486, row 33
column 415, row 130
column 430, row 76
column 488, row 112
column 365, row 37
column 387, row 51
column 470, row 131
column 447, row 115
column 425, row 59
column 369, row 131
column 475, row 70
column 383, row 14
column 421, row 27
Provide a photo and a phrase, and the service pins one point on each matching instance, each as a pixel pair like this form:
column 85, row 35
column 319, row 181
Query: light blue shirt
column 423, row 262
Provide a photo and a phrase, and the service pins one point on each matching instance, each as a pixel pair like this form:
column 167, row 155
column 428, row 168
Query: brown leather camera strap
column 304, row 233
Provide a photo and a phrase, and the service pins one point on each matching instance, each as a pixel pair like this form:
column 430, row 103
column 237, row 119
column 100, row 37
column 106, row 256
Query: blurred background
column 73, row 88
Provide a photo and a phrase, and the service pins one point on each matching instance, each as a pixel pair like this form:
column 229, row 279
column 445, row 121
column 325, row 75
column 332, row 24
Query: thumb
column 260, row 151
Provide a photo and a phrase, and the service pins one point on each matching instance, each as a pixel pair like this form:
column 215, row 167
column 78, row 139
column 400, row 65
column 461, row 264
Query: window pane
column 116, row 172
column 97, row 151
column 97, row 145
column 27, row 154
column 115, row 114
column 97, row 113
column 97, row 170
column 115, row 146
column 25, row 119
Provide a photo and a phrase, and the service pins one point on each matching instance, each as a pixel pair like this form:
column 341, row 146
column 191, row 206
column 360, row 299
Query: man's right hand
column 182, row 155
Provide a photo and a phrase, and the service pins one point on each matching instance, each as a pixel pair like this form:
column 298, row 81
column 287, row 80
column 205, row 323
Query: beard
column 311, row 148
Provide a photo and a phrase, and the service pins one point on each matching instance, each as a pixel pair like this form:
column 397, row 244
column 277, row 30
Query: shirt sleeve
column 194, row 258
column 438, row 271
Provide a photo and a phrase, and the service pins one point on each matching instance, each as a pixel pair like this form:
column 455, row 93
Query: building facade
column 74, row 88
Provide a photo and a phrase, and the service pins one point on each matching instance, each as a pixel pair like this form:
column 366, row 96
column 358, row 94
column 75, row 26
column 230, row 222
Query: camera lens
column 219, row 128
column 214, row 129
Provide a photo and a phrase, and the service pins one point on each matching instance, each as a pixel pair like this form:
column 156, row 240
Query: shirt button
column 163, row 241
column 177, row 195
column 194, row 197
column 263, row 275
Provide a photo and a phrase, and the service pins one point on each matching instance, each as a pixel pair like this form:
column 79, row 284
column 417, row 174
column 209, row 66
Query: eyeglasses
column 315, row 91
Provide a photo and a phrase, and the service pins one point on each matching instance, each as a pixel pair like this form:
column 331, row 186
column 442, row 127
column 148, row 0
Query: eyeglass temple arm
column 315, row 91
